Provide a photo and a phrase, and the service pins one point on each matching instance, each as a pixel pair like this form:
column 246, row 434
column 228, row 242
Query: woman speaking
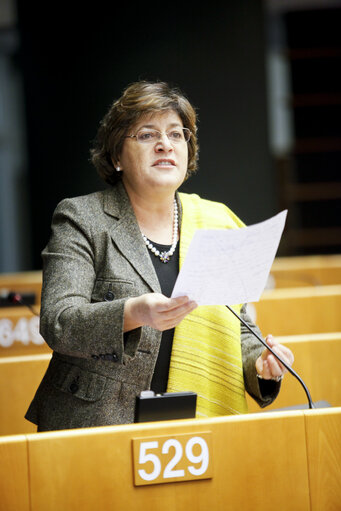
column 108, row 272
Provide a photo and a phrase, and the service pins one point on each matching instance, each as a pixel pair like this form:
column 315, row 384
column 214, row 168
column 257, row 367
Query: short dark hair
column 138, row 99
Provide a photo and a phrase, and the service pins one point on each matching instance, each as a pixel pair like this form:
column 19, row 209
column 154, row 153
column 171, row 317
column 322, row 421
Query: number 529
column 172, row 458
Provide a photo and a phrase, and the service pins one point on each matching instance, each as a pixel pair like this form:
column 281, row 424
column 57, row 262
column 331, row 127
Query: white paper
column 230, row 266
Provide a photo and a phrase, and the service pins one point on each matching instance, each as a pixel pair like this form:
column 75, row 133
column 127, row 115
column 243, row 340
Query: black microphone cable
column 290, row 369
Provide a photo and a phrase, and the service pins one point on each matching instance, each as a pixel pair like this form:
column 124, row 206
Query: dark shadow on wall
column 75, row 61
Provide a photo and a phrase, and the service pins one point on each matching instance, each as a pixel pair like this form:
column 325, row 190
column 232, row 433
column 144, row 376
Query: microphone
column 15, row 298
column 290, row 369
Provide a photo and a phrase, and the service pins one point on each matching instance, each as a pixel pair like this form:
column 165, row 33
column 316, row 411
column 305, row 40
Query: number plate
column 24, row 331
column 166, row 459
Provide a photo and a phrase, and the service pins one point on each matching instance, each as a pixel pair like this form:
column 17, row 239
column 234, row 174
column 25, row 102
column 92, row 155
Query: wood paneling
column 257, row 459
column 300, row 310
column 305, row 271
column 323, row 428
column 19, row 380
column 14, row 489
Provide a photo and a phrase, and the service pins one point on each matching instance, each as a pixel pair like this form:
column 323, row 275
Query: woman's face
column 159, row 166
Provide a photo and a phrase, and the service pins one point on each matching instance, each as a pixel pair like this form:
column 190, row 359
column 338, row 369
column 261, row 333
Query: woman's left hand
column 267, row 365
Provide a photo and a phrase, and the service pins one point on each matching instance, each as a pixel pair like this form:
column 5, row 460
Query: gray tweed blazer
column 95, row 260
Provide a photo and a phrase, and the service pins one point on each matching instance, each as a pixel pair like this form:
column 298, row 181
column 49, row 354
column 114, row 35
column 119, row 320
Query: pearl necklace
column 165, row 256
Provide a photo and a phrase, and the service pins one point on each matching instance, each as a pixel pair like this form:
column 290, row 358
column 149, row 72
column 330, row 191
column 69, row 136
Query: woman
column 109, row 269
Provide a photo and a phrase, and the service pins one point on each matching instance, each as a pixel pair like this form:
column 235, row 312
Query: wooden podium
column 276, row 460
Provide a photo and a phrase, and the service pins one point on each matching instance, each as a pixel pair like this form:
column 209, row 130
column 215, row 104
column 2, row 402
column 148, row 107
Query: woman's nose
column 163, row 144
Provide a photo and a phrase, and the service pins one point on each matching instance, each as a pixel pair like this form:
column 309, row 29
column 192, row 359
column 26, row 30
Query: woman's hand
column 267, row 365
column 156, row 311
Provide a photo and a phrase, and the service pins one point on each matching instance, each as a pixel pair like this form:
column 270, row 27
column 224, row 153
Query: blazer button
column 73, row 387
column 110, row 356
column 109, row 296
column 95, row 357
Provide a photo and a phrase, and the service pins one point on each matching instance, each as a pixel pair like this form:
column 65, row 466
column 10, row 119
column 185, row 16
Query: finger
column 285, row 354
column 274, row 366
column 266, row 373
column 180, row 310
column 166, row 319
column 282, row 351
column 271, row 359
column 270, row 341
column 185, row 309
column 259, row 365
column 262, row 368
column 173, row 318
column 173, row 303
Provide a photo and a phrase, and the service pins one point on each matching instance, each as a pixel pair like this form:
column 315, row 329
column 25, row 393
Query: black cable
column 290, row 369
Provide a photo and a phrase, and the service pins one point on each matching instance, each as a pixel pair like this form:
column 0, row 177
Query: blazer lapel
column 126, row 234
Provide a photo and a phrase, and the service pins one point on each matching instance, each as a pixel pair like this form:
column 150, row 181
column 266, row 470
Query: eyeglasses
column 150, row 136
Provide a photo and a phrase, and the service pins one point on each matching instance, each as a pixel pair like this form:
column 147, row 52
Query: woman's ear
column 117, row 166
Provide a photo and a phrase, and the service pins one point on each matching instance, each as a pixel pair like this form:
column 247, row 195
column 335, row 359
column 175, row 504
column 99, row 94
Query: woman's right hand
column 156, row 311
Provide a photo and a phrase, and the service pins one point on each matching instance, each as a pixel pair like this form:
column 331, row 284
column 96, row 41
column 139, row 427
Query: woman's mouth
column 164, row 163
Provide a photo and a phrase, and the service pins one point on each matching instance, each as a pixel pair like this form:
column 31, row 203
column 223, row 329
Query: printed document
column 230, row 266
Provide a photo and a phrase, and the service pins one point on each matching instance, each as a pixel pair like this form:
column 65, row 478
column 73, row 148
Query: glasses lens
column 175, row 135
column 179, row 135
column 147, row 136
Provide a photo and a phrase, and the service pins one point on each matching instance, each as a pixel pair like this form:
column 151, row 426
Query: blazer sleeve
column 71, row 322
column 264, row 392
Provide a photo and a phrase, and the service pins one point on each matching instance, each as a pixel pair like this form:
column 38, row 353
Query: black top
column 167, row 274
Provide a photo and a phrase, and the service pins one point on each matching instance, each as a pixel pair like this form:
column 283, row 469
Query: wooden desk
column 24, row 282
column 14, row 478
column 19, row 332
column 323, row 440
column 19, row 380
column 258, row 460
column 296, row 311
column 317, row 360
column 305, row 271
column 19, row 327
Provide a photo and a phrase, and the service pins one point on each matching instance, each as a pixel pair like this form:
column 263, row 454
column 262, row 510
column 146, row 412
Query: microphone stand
column 311, row 405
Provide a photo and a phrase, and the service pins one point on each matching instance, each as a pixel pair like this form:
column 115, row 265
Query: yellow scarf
column 206, row 354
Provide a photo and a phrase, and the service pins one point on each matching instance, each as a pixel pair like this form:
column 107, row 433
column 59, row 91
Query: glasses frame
column 185, row 130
